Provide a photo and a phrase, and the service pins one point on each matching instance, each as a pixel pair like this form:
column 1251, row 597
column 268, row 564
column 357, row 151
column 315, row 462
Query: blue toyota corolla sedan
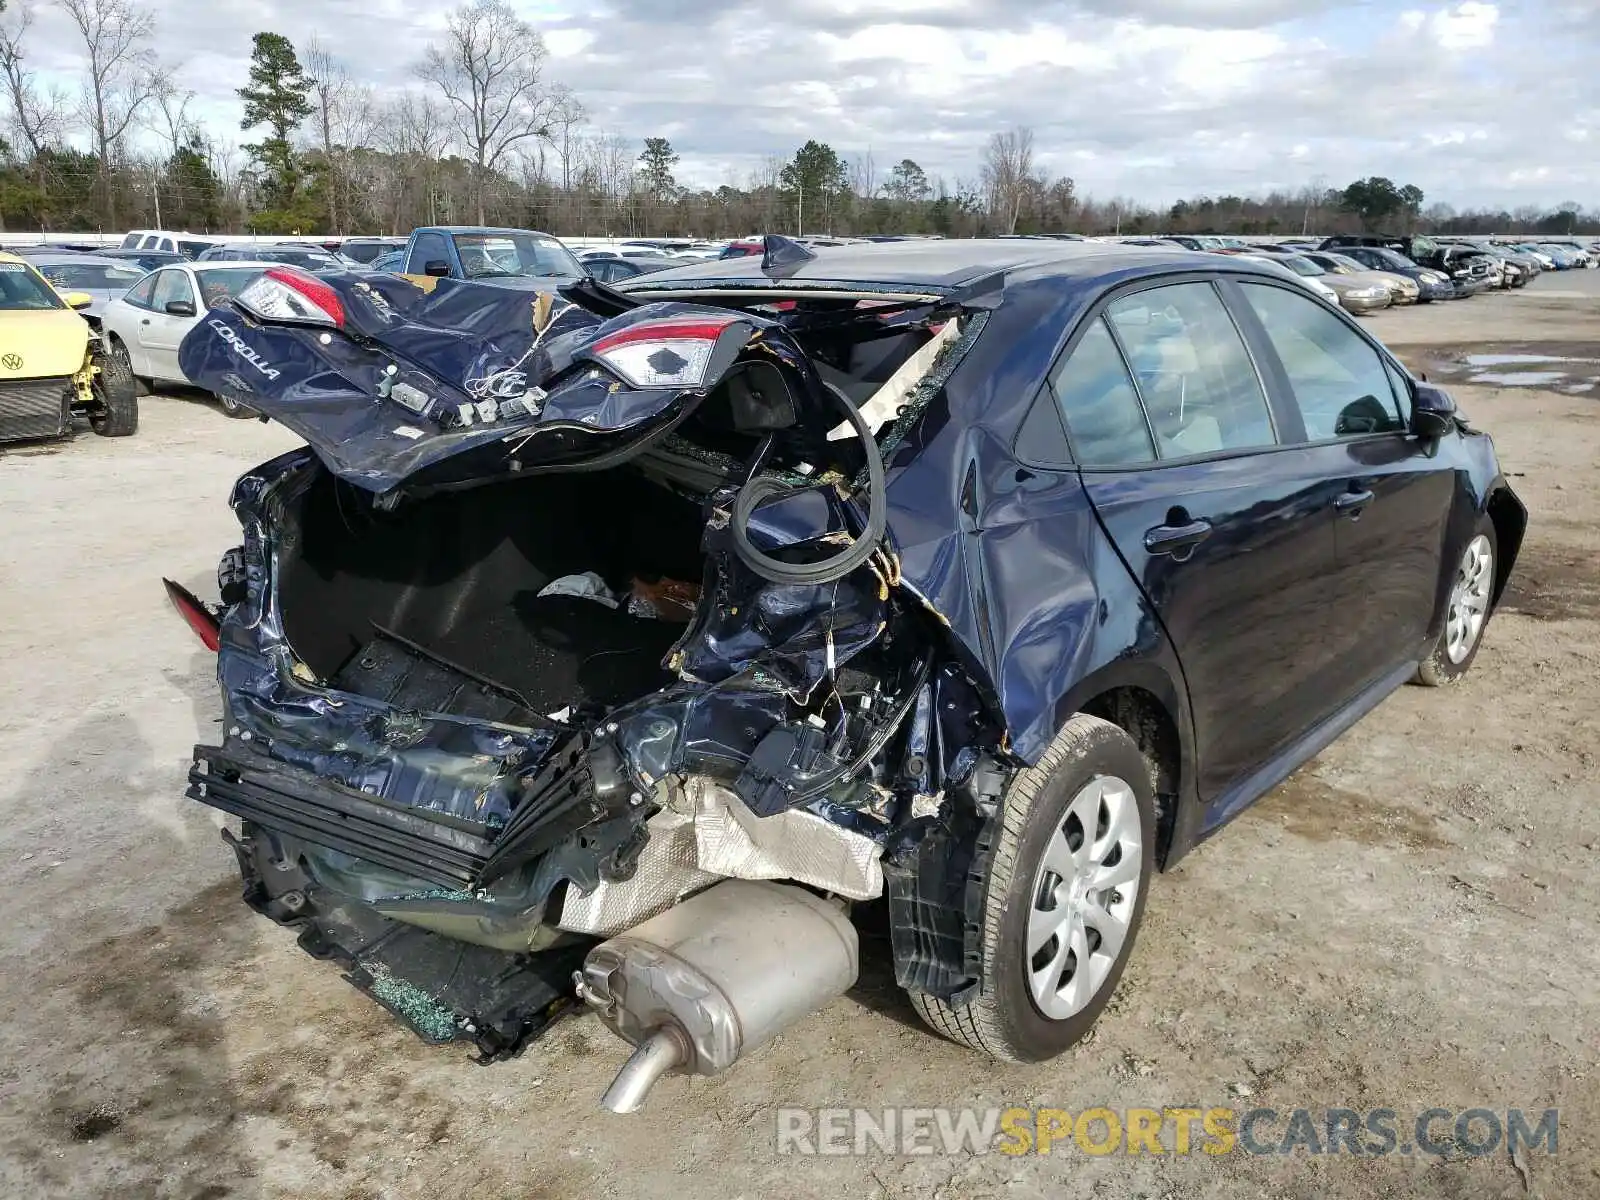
column 603, row 648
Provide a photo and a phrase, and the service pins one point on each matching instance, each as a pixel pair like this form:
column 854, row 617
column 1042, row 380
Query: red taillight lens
column 667, row 352
column 201, row 619
column 292, row 295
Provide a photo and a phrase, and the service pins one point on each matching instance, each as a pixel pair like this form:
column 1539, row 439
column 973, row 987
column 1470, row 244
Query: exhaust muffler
column 714, row 977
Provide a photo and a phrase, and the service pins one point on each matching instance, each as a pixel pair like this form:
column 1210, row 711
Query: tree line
column 483, row 135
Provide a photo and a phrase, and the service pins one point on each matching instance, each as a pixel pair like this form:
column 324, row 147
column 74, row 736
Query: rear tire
column 233, row 408
column 1467, row 609
column 117, row 413
column 1029, row 1008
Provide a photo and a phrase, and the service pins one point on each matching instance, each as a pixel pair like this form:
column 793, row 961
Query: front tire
column 1466, row 611
column 117, row 412
column 141, row 385
column 1066, row 895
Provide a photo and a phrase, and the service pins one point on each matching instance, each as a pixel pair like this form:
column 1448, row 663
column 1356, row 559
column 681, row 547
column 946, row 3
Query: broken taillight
column 667, row 352
column 191, row 608
column 292, row 296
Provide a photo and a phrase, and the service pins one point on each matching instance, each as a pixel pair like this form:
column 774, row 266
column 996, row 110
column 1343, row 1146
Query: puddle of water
column 1508, row 360
column 1572, row 389
column 1518, row 378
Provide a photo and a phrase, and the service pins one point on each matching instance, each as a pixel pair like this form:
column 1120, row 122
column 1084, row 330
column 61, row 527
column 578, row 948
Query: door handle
column 1176, row 540
column 145, row 321
column 1353, row 503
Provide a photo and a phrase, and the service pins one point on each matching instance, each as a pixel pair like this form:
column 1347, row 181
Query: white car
column 1306, row 281
column 145, row 325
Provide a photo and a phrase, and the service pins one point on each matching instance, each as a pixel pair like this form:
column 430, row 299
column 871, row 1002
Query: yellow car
column 51, row 364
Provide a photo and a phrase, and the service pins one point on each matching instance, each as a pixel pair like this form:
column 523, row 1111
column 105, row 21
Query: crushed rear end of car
column 576, row 615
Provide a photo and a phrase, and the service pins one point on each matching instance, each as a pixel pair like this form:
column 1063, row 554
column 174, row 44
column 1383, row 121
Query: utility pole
column 155, row 190
column 800, row 212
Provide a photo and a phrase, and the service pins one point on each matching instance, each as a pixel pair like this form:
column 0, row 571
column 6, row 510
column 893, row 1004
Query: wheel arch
column 1510, row 518
column 1149, row 706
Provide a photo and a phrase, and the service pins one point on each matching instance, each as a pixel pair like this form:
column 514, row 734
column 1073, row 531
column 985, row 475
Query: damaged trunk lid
column 401, row 388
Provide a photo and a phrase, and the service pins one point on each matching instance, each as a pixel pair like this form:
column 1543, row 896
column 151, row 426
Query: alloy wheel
column 1469, row 599
column 1083, row 897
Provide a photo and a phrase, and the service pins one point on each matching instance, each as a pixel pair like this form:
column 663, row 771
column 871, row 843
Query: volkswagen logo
column 11, row 362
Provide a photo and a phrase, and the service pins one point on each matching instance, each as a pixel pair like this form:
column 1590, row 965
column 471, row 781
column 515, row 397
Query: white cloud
column 1150, row 98
column 1468, row 26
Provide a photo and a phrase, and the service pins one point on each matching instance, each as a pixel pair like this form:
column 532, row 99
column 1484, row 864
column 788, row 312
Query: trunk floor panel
column 563, row 650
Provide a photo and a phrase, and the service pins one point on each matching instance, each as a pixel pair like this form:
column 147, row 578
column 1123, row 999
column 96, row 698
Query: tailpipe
column 715, row 976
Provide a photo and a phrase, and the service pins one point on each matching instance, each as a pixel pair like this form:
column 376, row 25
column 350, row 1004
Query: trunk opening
column 459, row 574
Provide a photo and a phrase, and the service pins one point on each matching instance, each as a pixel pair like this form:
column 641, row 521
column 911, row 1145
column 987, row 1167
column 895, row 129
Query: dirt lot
column 1407, row 923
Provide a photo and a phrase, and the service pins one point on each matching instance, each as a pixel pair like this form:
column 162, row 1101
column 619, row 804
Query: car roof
column 223, row 264
column 941, row 264
column 58, row 258
column 503, row 229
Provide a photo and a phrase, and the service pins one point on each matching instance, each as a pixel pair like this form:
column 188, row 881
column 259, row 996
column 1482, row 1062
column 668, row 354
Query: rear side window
column 141, row 293
column 1199, row 386
column 1099, row 404
column 130, row 241
column 1341, row 384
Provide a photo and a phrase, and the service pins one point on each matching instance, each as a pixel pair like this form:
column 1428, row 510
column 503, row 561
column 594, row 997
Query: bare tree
column 121, row 76
column 331, row 86
column 490, row 69
column 413, row 128
column 864, row 175
column 171, row 121
column 39, row 117
column 1007, row 175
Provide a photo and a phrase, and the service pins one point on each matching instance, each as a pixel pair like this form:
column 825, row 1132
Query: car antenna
column 780, row 252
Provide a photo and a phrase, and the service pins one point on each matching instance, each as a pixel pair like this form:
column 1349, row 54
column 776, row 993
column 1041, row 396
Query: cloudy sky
column 1475, row 102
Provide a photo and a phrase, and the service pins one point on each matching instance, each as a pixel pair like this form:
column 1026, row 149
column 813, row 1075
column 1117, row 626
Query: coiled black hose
column 758, row 490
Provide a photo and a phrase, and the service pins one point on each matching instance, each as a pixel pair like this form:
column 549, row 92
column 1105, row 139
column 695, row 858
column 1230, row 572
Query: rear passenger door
column 1395, row 493
column 1229, row 533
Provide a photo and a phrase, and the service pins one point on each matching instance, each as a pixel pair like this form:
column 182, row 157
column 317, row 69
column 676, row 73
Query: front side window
column 1341, row 383
column 1099, row 404
column 430, row 248
column 172, row 284
column 1199, row 386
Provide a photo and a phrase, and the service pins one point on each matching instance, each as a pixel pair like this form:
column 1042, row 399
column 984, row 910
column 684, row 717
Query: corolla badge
column 11, row 362
column 242, row 348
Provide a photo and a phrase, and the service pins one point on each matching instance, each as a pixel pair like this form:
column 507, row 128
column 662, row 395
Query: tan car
column 1401, row 289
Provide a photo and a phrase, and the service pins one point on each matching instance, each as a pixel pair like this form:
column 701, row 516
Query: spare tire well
column 1145, row 719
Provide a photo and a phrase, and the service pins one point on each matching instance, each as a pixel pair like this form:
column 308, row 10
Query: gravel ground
column 1407, row 923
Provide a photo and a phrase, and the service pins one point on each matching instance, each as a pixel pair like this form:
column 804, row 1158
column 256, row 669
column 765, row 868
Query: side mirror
column 437, row 267
column 1433, row 411
column 180, row 308
column 78, row 300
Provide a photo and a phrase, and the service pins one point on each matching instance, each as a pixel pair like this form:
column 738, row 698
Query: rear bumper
column 35, row 408
column 257, row 789
column 1358, row 304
